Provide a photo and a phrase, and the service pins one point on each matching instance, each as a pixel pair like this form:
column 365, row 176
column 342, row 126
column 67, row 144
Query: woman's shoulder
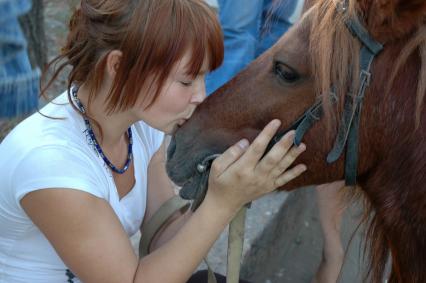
column 51, row 139
column 55, row 123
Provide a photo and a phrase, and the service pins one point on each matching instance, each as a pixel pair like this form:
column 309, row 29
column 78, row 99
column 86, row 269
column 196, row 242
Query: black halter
column 349, row 126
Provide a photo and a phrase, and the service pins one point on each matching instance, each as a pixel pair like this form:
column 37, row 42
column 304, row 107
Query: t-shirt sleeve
column 56, row 167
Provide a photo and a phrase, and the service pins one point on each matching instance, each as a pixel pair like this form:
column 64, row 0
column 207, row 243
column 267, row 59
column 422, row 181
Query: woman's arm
column 90, row 240
column 85, row 232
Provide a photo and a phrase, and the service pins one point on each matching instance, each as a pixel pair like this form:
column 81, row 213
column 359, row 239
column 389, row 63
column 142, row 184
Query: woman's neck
column 114, row 126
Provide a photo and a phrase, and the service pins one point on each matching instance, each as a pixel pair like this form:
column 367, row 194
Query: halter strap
column 303, row 123
column 349, row 126
column 358, row 30
column 348, row 133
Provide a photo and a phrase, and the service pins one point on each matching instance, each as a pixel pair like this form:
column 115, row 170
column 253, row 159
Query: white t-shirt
column 46, row 153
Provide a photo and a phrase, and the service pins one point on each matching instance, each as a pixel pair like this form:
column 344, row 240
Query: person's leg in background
column 240, row 20
column 277, row 18
column 331, row 208
column 19, row 84
column 250, row 27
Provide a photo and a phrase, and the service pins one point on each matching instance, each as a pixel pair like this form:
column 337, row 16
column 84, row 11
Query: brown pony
column 317, row 53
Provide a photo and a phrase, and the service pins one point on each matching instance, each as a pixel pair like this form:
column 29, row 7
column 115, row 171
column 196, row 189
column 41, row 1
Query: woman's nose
column 199, row 92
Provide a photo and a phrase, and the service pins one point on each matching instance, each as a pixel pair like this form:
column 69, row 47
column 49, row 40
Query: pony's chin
column 191, row 188
column 179, row 171
column 190, row 181
column 177, row 175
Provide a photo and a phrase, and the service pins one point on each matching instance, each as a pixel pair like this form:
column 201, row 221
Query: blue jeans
column 249, row 28
column 19, row 84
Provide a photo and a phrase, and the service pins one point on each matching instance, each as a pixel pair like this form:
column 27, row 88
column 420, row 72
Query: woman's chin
column 169, row 129
column 172, row 129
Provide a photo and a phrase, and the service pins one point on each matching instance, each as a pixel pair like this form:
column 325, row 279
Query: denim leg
column 18, row 82
column 10, row 9
column 276, row 20
column 240, row 21
column 19, row 94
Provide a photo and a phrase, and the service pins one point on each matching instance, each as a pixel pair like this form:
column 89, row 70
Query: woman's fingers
column 287, row 160
column 241, row 175
column 221, row 163
column 289, row 175
column 258, row 146
column 276, row 154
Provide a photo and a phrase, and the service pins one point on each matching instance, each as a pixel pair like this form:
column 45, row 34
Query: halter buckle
column 365, row 77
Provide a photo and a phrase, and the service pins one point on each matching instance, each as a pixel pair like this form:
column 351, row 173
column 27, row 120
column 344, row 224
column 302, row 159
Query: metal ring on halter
column 202, row 167
column 311, row 114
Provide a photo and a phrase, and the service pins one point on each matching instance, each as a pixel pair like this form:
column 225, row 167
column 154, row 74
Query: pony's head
column 317, row 53
column 316, row 57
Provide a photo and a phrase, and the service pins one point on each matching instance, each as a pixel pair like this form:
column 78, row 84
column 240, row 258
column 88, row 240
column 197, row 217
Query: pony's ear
column 389, row 20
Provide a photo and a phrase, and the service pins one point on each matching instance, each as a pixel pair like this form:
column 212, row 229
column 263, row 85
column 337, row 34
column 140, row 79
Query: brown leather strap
column 235, row 246
column 157, row 221
column 235, row 241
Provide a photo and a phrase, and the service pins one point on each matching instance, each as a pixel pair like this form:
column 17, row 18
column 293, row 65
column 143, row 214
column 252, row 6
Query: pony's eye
column 285, row 73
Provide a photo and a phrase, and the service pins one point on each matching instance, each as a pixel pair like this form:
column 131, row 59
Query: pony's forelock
column 332, row 50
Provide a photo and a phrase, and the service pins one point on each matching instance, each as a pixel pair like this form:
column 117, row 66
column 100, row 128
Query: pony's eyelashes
column 285, row 73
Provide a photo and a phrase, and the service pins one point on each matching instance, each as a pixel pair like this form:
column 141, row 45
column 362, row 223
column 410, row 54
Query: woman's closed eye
column 186, row 83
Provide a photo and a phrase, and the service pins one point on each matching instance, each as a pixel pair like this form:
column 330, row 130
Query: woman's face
column 178, row 99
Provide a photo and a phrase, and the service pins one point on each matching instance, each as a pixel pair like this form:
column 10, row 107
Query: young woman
column 79, row 177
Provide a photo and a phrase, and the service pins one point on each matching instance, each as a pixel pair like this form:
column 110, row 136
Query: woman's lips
column 178, row 125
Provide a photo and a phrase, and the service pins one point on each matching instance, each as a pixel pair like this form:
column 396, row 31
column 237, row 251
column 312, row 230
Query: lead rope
column 236, row 227
column 235, row 246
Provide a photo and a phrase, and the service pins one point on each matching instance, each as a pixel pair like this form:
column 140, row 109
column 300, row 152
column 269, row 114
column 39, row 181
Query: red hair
column 153, row 35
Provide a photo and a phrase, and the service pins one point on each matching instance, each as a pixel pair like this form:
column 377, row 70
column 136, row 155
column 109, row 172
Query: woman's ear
column 113, row 62
column 389, row 20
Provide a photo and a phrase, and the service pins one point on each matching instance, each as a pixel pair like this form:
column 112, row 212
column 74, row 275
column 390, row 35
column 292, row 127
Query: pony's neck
column 395, row 184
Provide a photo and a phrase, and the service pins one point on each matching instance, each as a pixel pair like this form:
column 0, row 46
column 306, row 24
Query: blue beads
column 70, row 276
column 94, row 141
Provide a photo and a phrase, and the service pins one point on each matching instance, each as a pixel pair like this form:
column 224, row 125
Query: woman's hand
column 241, row 175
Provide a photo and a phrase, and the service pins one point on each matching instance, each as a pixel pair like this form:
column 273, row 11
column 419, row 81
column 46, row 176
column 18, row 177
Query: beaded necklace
column 94, row 141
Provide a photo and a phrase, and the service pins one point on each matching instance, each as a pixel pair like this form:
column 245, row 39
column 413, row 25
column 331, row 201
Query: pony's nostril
column 171, row 149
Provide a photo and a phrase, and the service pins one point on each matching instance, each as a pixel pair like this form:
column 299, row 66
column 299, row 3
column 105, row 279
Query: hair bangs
column 203, row 36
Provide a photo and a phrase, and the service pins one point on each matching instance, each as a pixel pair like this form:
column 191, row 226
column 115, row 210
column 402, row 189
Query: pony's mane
column 335, row 54
column 418, row 42
column 335, row 63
